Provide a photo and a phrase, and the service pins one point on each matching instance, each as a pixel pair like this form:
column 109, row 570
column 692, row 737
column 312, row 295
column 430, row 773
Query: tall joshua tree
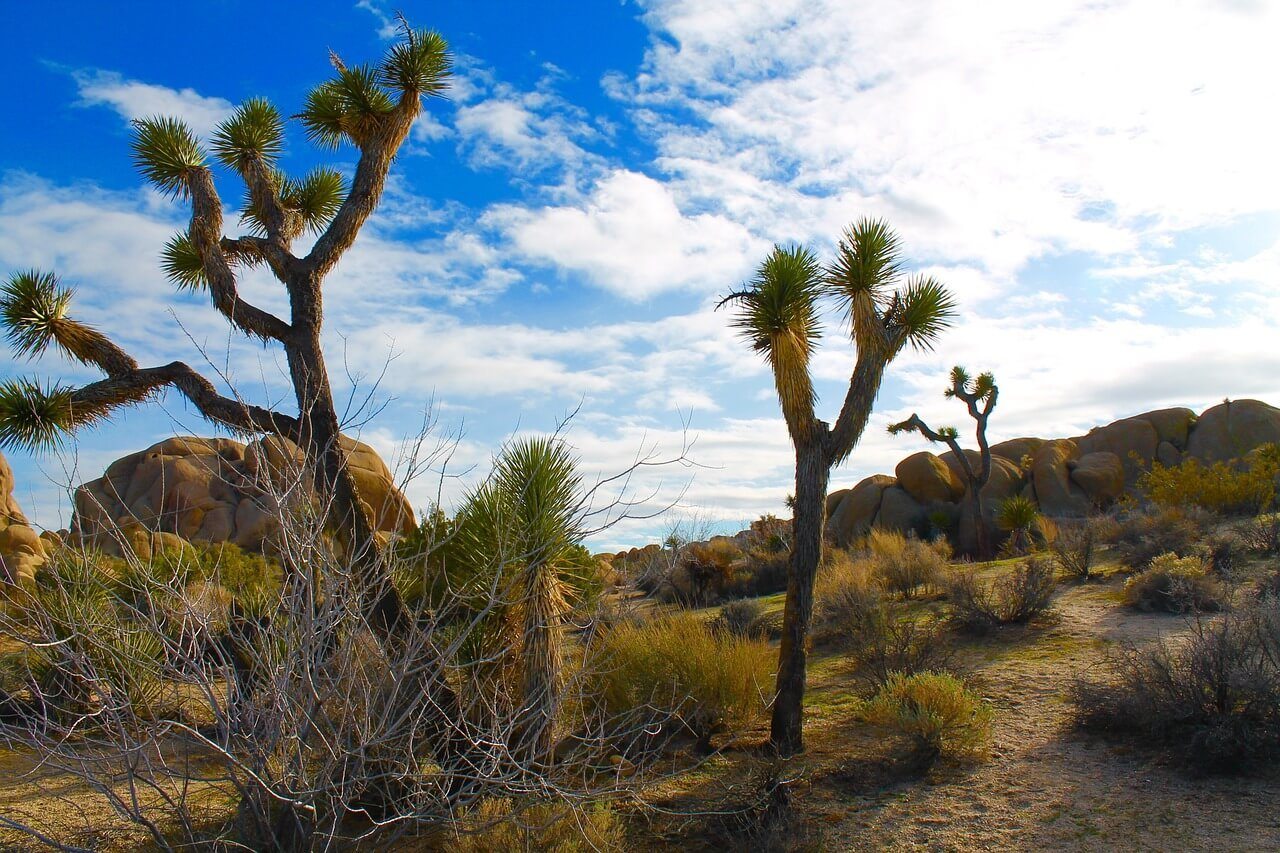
column 979, row 395
column 371, row 107
column 779, row 315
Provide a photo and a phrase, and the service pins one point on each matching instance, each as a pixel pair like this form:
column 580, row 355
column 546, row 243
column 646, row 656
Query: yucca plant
column 979, row 396
column 779, row 314
column 1018, row 516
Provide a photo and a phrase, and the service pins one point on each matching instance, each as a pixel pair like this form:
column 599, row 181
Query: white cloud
column 134, row 99
column 631, row 239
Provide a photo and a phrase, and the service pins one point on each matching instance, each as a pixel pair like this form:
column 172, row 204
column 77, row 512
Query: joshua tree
column 371, row 107
column 779, row 315
column 979, row 395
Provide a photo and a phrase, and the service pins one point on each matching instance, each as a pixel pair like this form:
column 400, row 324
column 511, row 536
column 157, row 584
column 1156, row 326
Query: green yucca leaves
column 255, row 131
column 868, row 261
column 419, row 64
column 31, row 305
column 182, row 263
column 350, row 105
column 33, row 417
column 921, row 311
column 316, row 197
column 166, row 151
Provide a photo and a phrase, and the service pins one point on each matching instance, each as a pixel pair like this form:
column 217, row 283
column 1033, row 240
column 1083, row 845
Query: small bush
column 904, row 564
column 1214, row 699
column 1075, row 548
column 936, row 711
column 1262, row 534
column 742, row 618
column 760, row 572
column 844, row 593
column 676, row 672
column 497, row 826
column 978, row 606
column 1028, row 530
column 1239, row 488
column 1142, row 536
column 1223, row 551
column 1174, row 584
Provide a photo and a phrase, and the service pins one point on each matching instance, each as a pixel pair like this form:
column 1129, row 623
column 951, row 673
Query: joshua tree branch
column 864, row 386
column 915, row 423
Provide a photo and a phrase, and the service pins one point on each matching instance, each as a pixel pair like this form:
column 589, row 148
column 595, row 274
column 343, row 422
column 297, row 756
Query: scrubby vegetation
column 1246, row 487
column 1173, row 584
column 1076, row 547
column 905, row 565
column 937, row 711
column 977, row 605
column 1140, row 536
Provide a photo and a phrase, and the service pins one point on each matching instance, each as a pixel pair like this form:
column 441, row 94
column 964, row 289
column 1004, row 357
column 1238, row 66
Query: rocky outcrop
column 22, row 551
column 899, row 511
column 1051, row 475
column 1231, row 430
column 1100, row 475
column 926, row 478
column 857, row 510
column 217, row 490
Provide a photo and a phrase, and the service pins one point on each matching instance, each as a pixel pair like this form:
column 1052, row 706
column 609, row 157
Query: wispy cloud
column 134, row 99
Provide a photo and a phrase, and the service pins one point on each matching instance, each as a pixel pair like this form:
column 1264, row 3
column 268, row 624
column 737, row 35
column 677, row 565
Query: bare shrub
column 1075, row 548
column 1214, row 700
column 978, row 606
column 904, row 564
column 1143, row 535
column 1173, row 584
column 1262, row 534
column 744, row 617
column 941, row 715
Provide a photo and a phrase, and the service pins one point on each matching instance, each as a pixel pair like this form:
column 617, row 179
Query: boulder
column 1057, row 495
column 1100, row 475
column 218, row 490
column 1015, row 449
column 833, row 501
column 1172, row 425
column 857, row 510
column 1168, row 455
column 927, row 478
column 1232, row 429
column 1133, row 440
column 22, row 550
column 899, row 511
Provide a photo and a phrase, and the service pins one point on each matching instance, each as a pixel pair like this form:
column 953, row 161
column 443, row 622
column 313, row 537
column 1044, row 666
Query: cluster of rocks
column 216, row 490
column 1065, row 477
column 22, row 551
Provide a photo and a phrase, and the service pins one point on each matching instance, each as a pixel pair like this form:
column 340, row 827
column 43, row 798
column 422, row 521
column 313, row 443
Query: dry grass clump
column 1075, row 548
column 903, row 564
column 1141, row 536
column 679, row 674
column 498, row 826
column 978, row 606
column 937, row 711
column 1173, row 584
column 1214, row 699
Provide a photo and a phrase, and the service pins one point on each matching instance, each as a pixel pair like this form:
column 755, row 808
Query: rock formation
column 1066, row 476
column 216, row 490
column 21, row 548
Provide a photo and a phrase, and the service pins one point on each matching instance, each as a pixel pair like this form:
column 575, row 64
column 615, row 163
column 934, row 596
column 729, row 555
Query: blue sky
column 1096, row 180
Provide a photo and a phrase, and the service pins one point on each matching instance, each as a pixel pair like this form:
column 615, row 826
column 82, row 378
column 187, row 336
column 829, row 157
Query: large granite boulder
column 22, row 551
column 1232, row 429
column 1016, row 449
column 899, row 511
column 218, row 490
column 1172, row 425
column 1101, row 475
column 928, row 479
column 1050, row 473
column 1133, row 440
column 857, row 510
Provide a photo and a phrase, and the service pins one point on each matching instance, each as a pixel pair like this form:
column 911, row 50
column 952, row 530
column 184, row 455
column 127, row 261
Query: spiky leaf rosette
column 778, row 316
column 920, row 312
column 867, row 263
column 33, row 417
column 316, row 197
column 253, row 132
column 419, row 64
column 182, row 263
column 538, row 478
column 32, row 304
column 166, row 152
column 350, row 106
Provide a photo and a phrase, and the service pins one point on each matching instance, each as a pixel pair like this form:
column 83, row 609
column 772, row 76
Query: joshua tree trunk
column 812, row 475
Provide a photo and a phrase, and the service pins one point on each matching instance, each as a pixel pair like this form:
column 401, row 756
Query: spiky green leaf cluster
column 350, row 106
column 538, row 478
column 868, row 261
column 33, row 417
column 31, row 305
column 920, row 312
column 782, row 299
column 316, row 197
column 254, row 131
column 419, row 64
column 182, row 263
column 948, row 432
column 166, row 151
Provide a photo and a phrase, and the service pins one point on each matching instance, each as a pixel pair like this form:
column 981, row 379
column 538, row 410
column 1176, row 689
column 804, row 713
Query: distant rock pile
column 1066, row 477
column 216, row 490
column 21, row 548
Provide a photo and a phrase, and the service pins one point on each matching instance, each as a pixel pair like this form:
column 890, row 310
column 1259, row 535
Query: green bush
column 744, row 617
column 1245, row 487
column 904, row 564
column 1139, row 537
column 1173, row 584
column 1214, row 699
column 1016, row 597
column 675, row 672
column 936, row 711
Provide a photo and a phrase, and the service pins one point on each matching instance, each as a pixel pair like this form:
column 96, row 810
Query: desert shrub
column 904, row 564
column 1214, row 699
column 744, row 617
column 1262, row 534
column 1223, row 551
column 1239, row 488
column 679, row 674
column 498, row 826
column 1141, row 536
column 771, row 534
column 977, row 606
column 1028, row 529
column 844, row 593
column 937, row 711
column 1173, row 584
column 760, row 572
column 1075, row 548
column 701, row 574
column 1269, row 586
